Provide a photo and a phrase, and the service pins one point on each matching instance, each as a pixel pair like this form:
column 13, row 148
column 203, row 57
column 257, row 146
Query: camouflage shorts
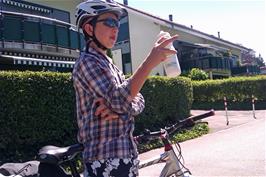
column 113, row 167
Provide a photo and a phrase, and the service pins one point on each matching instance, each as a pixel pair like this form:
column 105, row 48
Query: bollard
column 226, row 114
column 253, row 106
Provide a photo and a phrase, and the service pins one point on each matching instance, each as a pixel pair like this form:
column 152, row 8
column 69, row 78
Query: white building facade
column 139, row 31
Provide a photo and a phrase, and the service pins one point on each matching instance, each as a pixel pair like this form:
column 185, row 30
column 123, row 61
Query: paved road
column 234, row 150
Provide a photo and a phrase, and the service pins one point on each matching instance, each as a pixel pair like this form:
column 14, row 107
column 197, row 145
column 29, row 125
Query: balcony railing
column 207, row 63
column 31, row 30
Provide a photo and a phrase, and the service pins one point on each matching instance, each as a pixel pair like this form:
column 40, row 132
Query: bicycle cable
column 181, row 159
column 25, row 168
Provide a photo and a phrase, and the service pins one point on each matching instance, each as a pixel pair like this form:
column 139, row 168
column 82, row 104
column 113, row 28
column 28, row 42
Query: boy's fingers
column 168, row 41
column 99, row 109
column 105, row 112
column 99, row 100
column 161, row 39
column 168, row 52
column 111, row 116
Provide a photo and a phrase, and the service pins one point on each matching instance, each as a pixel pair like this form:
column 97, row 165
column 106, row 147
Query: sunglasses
column 110, row 22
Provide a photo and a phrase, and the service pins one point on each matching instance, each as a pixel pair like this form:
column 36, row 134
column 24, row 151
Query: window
column 62, row 36
column 1, row 26
column 12, row 29
column 48, row 34
column 123, row 32
column 74, row 39
column 213, row 62
column 31, row 31
column 126, row 62
column 82, row 41
column 205, row 64
column 202, row 52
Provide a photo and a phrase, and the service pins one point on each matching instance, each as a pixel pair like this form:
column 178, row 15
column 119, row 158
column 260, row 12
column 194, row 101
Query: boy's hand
column 159, row 52
column 103, row 111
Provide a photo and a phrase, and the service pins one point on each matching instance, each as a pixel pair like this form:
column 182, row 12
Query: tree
column 260, row 61
column 109, row 53
column 249, row 58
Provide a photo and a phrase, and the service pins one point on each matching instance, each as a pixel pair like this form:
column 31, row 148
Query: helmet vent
column 99, row 7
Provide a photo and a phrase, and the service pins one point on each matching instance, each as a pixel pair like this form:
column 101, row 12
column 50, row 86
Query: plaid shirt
column 94, row 75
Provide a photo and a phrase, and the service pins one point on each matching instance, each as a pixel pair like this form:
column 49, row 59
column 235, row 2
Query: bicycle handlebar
column 173, row 128
column 54, row 155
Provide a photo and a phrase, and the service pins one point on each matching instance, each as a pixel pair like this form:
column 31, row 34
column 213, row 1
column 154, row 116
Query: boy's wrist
column 147, row 64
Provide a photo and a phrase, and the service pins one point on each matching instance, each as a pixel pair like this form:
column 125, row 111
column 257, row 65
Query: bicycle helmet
column 93, row 8
column 89, row 11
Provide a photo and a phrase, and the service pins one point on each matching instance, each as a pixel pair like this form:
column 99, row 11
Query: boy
column 106, row 101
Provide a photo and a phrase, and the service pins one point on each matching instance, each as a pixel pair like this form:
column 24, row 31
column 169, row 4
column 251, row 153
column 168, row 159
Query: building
column 137, row 35
column 195, row 48
column 37, row 37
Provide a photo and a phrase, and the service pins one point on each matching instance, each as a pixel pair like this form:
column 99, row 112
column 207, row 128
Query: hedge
column 38, row 108
column 237, row 90
column 167, row 101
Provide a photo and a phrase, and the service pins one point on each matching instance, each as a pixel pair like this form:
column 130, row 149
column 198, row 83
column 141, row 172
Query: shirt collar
column 94, row 51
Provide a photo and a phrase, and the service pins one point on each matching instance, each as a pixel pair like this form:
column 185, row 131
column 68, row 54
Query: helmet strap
column 94, row 38
column 97, row 42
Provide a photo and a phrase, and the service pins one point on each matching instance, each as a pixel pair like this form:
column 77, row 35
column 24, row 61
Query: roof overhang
column 183, row 28
column 18, row 60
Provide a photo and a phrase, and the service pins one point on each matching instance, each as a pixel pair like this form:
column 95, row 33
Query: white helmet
column 91, row 8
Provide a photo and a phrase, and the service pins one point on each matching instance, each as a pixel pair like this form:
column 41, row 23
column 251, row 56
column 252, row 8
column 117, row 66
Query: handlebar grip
column 202, row 116
column 190, row 120
column 180, row 124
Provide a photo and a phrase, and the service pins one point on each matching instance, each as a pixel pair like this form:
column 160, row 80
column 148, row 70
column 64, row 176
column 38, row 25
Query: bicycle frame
column 171, row 167
column 169, row 157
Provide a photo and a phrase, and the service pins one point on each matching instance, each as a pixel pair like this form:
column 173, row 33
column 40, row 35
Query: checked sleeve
column 99, row 78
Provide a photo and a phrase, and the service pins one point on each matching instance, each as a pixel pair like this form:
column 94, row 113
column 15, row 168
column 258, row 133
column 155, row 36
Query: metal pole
column 253, row 106
column 226, row 113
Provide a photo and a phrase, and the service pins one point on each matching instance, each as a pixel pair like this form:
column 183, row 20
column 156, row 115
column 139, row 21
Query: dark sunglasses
column 110, row 22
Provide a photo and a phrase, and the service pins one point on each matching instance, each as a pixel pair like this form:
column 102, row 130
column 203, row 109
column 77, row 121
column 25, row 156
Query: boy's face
column 106, row 29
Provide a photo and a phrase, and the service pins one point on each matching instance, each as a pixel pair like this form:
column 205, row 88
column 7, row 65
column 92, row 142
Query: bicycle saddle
column 56, row 155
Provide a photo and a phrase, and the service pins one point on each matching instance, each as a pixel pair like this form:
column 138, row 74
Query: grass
column 197, row 130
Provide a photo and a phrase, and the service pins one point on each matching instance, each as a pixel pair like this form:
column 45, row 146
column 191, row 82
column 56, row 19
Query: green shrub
column 197, row 74
column 167, row 100
column 38, row 108
column 188, row 133
column 237, row 90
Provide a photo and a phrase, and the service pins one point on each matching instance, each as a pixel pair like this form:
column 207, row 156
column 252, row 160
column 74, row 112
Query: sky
column 238, row 21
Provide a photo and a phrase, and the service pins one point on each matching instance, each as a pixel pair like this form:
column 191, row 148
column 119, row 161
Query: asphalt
column 218, row 122
column 221, row 153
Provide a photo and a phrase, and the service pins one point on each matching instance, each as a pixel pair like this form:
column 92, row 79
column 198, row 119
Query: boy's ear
column 89, row 29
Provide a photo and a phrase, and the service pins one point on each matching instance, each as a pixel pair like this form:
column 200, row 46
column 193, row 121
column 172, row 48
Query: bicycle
column 173, row 165
column 51, row 158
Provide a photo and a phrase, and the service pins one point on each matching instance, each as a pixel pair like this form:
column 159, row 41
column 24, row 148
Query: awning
column 26, row 6
column 17, row 60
